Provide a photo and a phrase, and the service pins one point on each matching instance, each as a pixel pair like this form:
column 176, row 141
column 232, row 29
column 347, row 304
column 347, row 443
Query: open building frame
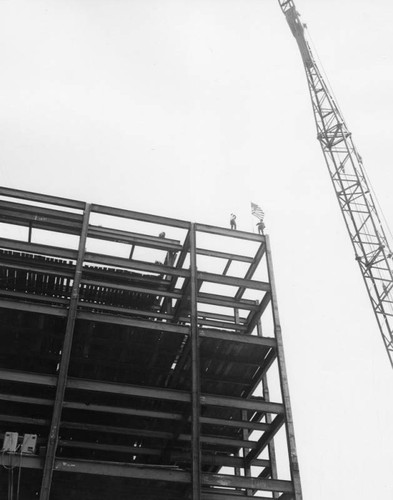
column 141, row 362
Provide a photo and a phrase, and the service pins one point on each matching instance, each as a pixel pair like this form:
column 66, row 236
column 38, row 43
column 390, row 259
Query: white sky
column 193, row 108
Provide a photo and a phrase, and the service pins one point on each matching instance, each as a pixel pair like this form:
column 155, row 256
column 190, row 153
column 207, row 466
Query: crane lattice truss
column 351, row 187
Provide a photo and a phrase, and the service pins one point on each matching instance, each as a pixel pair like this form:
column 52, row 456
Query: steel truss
column 139, row 372
column 372, row 250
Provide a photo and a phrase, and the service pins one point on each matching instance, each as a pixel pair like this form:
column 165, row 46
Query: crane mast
column 354, row 196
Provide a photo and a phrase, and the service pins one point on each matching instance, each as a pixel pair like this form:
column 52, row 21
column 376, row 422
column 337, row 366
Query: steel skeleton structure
column 136, row 358
column 346, row 170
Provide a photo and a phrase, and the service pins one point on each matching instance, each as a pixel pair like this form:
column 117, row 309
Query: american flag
column 257, row 211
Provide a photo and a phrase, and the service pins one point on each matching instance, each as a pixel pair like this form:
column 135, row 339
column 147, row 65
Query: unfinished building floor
column 139, row 349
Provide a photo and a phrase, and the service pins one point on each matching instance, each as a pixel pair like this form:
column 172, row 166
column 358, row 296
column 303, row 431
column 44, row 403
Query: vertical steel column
column 247, row 468
column 266, row 396
column 195, row 387
column 293, row 460
column 64, row 363
column 271, row 445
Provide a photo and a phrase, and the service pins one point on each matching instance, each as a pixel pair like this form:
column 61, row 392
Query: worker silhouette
column 232, row 221
column 261, row 226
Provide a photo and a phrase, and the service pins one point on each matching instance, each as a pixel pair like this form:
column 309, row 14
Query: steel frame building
column 141, row 359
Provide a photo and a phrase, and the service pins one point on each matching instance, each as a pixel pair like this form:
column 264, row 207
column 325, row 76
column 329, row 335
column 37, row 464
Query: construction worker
column 261, row 226
column 232, row 221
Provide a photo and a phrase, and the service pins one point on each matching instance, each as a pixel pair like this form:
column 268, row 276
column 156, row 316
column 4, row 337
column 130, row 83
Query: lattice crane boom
column 372, row 250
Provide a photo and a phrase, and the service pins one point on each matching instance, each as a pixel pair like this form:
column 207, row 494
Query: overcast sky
column 194, row 108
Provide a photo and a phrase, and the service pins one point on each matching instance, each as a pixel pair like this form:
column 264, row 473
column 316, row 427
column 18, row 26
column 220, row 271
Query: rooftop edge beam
column 220, row 231
column 42, row 198
column 137, row 239
column 130, row 214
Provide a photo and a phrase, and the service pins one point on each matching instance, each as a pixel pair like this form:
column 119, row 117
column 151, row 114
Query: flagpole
column 252, row 222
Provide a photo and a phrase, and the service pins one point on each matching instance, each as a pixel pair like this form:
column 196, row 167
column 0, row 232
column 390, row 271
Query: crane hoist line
column 349, row 180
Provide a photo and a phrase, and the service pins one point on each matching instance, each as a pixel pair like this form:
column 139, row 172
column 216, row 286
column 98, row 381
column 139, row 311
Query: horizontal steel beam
column 125, row 312
column 265, row 439
column 172, row 395
column 220, row 422
column 42, row 198
column 225, row 325
column 137, row 239
column 235, row 337
column 129, row 450
column 233, row 281
column 219, row 300
column 220, row 231
column 27, row 377
column 242, row 404
column 39, row 214
column 254, row 317
column 108, row 260
column 33, row 297
column 131, row 288
column 224, row 495
column 14, row 398
column 35, row 462
column 256, row 404
column 37, row 222
column 251, row 270
column 33, row 266
column 216, row 459
column 129, row 321
column 217, row 441
column 124, row 320
column 224, row 255
column 208, row 458
column 128, row 390
column 17, row 419
column 129, row 214
column 228, row 318
column 174, row 456
column 32, row 307
column 152, row 473
column 224, row 480
column 22, row 246
column 159, row 435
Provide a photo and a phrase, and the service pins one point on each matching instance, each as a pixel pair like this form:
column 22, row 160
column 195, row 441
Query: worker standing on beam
column 261, row 226
column 232, row 221
column 257, row 211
